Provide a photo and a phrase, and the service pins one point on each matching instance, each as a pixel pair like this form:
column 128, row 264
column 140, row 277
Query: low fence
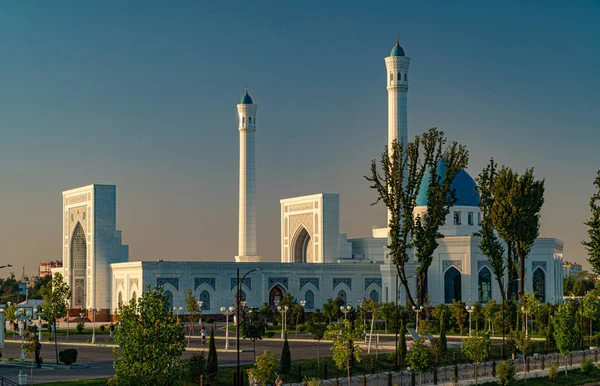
column 462, row 372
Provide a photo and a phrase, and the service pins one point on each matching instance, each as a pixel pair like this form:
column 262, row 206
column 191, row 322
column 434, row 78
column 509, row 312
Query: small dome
column 246, row 100
column 463, row 184
column 397, row 50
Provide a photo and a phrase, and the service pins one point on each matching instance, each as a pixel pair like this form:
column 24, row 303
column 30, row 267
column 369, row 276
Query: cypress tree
column 212, row 364
column 285, row 365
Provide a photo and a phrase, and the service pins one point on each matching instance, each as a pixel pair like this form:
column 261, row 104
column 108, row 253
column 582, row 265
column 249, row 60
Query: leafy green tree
column 34, row 292
column 477, row 314
column 578, row 283
column 196, row 367
column 477, row 348
column 392, row 315
column 368, row 305
column 489, row 311
column 459, row 313
column 442, row 313
column 150, row 342
column 285, row 365
column 317, row 327
column 56, row 295
column 9, row 312
column 345, row 350
column 331, row 309
column 591, row 308
column 566, row 330
column 419, row 358
column 212, row 363
column 297, row 314
column 490, row 244
column 192, row 305
column 593, row 244
column 266, row 312
column 253, row 328
column 443, row 161
column 506, row 373
column 265, row 369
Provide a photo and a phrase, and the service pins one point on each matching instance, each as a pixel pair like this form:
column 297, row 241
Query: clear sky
column 143, row 94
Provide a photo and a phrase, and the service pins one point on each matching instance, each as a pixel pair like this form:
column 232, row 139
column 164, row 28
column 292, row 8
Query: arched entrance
column 276, row 294
column 78, row 265
column 301, row 252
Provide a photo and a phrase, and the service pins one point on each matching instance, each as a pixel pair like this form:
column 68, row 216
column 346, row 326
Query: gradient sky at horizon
column 143, row 95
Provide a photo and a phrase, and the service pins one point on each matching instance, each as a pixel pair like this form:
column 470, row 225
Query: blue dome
column 246, row 100
column 397, row 51
column 463, row 184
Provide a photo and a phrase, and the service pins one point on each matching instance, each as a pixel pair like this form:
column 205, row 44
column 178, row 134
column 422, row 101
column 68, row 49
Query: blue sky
column 143, row 94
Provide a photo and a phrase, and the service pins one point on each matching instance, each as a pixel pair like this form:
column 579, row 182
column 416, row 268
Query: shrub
column 270, row 334
column 68, row 356
column 587, row 367
column 112, row 381
column 79, row 327
column 44, row 325
column 506, row 373
column 312, row 381
column 210, row 320
column 102, row 327
column 265, row 368
column 553, row 372
column 195, row 367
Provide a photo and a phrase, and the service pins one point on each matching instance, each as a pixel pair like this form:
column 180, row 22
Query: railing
column 6, row 382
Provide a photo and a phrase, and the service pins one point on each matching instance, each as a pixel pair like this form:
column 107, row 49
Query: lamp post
column 94, row 312
column 237, row 325
column 417, row 310
column 526, row 321
column 21, row 318
column 200, row 304
column 302, row 304
column 177, row 311
column 227, row 311
column 470, row 311
column 345, row 310
column 283, row 311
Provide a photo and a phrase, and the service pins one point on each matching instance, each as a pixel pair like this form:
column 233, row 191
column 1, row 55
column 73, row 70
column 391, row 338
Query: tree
column 459, row 313
column 150, row 342
column 192, row 305
column 392, row 315
column 419, row 358
column 591, row 308
column 442, row 313
column 368, row 305
column 477, row 314
column 285, row 365
column 9, row 312
column 443, row 163
column 593, row 244
column 578, row 283
column 212, row 363
column 345, row 350
column 490, row 310
column 317, row 327
column 266, row 312
column 253, row 328
column 566, row 330
column 331, row 309
column 402, row 350
column 490, row 245
column 265, row 369
column 477, row 348
column 56, row 295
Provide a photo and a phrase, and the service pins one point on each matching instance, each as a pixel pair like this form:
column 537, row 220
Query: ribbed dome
column 246, row 100
column 463, row 184
column 397, row 51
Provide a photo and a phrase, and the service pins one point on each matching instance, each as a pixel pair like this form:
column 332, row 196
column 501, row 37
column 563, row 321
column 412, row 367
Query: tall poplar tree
column 593, row 245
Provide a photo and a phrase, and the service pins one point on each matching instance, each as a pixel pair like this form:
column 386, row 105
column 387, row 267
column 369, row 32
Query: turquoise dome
column 397, row 51
column 463, row 184
column 246, row 100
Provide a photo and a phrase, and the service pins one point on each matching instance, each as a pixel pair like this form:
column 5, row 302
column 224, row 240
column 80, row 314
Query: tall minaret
column 247, row 230
column 397, row 87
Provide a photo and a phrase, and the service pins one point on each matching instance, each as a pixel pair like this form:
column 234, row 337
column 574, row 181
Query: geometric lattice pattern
column 161, row 281
column 278, row 280
column 535, row 264
column 208, row 280
column 451, row 263
column 372, row 280
column 306, row 280
column 247, row 282
column 338, row 281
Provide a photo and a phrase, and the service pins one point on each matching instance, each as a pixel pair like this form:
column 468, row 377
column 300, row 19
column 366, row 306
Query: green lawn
column 575, row 377
column 99, row 381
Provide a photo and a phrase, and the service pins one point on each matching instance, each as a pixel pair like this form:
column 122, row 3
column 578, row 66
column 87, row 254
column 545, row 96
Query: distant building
column 571, row 268
column 46, row 268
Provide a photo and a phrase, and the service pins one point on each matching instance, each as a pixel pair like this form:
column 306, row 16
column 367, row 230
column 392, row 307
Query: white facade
column 317, row 261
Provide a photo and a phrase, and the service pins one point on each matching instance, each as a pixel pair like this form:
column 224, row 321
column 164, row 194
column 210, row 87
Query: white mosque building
column 317, row 261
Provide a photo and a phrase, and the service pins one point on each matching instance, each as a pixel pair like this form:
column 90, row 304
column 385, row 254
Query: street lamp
column 237, row 325
column 526, row 321
column 283, row 311
column 227, row 311
column 470, row 311
column 345, row 310
column 177, row 311
column 200, row 304
column 302, row 304
column 21, row 317
column 417, row 310
column 94, row 312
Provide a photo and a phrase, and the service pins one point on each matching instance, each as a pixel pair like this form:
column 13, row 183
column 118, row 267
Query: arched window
column 399, row 77
column 249, row 120
column 243, row 121
column 342, row 295
column 374, row 296
column 205, row 298
column 391, row 78
column 120, row 301
column 134, row 297
column 539, row 285
column 406, row 76
column 452, row 284
column 169, row 296
column 485, row 285
column 309, row 297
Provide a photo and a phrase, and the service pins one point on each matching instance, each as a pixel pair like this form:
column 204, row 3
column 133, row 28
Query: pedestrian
column 203, row 336
column 112, row 329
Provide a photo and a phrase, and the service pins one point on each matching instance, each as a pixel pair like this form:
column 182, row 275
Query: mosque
column 317, row 261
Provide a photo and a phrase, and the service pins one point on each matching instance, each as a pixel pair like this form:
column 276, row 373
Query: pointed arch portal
column 78, row 265
column 301, row 247
column 276, row 294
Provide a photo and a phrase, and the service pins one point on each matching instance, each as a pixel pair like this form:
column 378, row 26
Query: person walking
column 112, row 329
column 203, row 336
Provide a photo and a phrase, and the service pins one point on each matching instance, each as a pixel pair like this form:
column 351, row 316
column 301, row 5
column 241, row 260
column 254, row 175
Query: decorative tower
column 247, row 220
column 397, row 87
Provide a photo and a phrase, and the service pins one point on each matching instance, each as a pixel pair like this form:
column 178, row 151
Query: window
column 406, row 76
column 452, row 285
column 120, row 302
column 479, row 218
column 243, row 121
column 391, row 77
column 249, row 120
column 309, row 297
column 485, row 285
column 399, row 77
column 470, row 218
column 342, row 295
column 456, row 218
column 539, row 285
column 374, row 296
column 205, row 298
